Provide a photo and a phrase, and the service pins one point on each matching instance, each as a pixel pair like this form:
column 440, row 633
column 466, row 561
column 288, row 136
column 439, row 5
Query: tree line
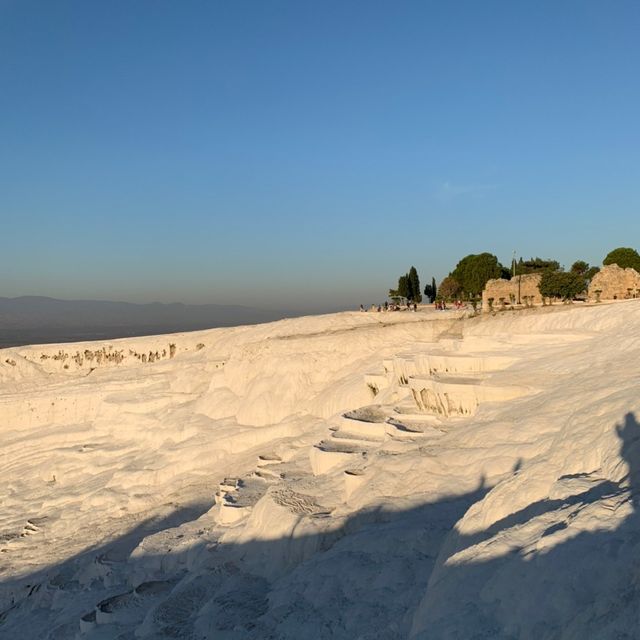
column 471, row 274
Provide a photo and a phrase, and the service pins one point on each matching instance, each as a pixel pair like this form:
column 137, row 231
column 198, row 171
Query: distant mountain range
column 36, row 319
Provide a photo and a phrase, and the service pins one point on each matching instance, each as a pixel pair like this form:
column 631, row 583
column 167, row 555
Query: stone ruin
column 610, row 283
column 524, row 290
column 614, row 283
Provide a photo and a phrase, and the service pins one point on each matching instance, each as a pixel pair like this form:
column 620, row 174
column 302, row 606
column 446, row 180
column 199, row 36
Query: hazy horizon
column 138, row 302
column 37, row 319
column 303, row 156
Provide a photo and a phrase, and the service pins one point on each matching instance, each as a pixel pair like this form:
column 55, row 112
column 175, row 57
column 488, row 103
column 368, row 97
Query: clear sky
column 303, row 155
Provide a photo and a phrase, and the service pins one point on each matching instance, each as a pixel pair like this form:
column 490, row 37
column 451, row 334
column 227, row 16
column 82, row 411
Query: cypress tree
column 403, row 286
column 430, row 290
column 414, row 285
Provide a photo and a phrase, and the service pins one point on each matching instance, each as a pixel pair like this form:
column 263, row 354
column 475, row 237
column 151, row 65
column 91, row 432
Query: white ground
column 388, row 476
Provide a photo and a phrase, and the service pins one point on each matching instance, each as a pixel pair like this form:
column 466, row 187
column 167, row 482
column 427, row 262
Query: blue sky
column 303, row 155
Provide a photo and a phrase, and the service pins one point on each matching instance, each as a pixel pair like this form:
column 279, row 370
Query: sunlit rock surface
column 356, row 475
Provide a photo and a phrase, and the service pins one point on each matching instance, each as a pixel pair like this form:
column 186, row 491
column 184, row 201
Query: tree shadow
column 210, row 590
column 365, row 578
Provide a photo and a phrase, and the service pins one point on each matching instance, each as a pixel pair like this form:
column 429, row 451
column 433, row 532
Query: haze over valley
column 36, row 320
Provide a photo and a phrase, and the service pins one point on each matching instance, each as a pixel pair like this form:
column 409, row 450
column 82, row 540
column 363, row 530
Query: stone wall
column 506, row 292
column 615, row 283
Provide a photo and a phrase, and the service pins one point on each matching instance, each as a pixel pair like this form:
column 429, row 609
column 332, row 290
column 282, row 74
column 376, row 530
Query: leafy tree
column 473, row 272
column 449, row 288
column 624, row 257
column 414, row 285
column 562, row 284
column 580, row 266
column 590, row 272
column 536, row 265
column 430, row 290
column 404, row 290
column 408, row 287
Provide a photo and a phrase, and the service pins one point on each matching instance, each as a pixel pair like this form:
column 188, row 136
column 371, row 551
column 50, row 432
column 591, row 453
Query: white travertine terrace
column 459, row 396
column 355, row 475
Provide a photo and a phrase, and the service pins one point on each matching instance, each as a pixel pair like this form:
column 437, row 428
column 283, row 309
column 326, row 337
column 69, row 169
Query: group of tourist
column 411, row 306
column 441, row 305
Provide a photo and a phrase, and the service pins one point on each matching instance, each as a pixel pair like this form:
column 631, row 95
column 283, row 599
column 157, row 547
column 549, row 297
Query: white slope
column 357, row 475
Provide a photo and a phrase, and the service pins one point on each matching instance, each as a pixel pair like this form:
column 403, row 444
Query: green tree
column 414, row 285
column 408, row 287
column 404, row 285
column 624, row 257
column 580, row 266
column 536, row 265
column 562, row 284
column 590, row 272
column 430, row 290
column 473, row 272
column 449, row 288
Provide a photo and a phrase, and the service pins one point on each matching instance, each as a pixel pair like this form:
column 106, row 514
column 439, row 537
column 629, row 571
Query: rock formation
column 615, row 283
column 522, row 289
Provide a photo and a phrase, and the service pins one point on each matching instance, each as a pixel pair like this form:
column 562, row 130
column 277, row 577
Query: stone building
column 522, row 290
column 615, row 283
